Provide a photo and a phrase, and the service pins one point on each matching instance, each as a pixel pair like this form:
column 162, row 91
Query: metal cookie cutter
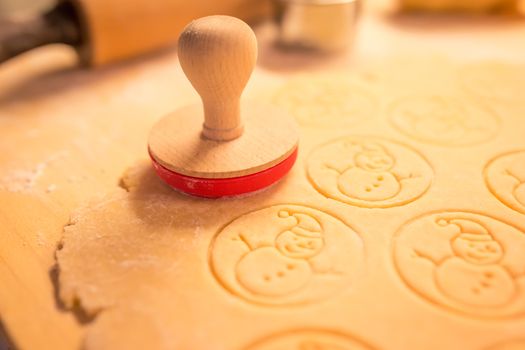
column 323, row 25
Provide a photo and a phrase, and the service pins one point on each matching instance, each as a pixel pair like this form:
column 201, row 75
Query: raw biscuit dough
column 493, row 80
column 432, row 259
column 444, row 120
column 515, row 344
column 327, row 100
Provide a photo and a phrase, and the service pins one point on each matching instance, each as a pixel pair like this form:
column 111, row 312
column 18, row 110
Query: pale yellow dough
column 326, row 101
column 401, row 226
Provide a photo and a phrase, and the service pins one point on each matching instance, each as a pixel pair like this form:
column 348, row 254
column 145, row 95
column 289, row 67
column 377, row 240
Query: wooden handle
column 218, row 54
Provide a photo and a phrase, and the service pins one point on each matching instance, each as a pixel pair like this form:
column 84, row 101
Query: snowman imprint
column 468, row 262
column 371, row 176
column 476, row 262
column 286, row 254
column 443, row 120
column 369, row 172
column 288, row 267
column 505, row 178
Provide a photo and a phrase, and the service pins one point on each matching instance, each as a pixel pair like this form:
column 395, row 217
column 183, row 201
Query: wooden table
column 67, row 134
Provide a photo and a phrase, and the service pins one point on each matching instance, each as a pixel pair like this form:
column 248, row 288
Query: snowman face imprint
column 478, row 252
column 308, row 339
column 443, row 120
column 284, row 260
column 458, row 260
column 505, row 177
column 440, row 122
column 369, row 172
column 297, row 246
column 374, row 161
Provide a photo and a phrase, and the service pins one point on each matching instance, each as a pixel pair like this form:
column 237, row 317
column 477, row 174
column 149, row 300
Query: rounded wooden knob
column 218, row 54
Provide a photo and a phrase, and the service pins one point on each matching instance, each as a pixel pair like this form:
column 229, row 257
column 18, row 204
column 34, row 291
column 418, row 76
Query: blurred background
column 107, row 32
column 24, row 6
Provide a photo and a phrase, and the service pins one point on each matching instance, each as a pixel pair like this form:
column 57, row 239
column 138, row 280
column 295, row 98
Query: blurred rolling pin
column 105, row 31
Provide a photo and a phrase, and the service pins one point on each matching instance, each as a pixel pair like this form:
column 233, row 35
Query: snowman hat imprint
column 469, row 230
column 373, row 147
column 374, row 157
column 306, row 225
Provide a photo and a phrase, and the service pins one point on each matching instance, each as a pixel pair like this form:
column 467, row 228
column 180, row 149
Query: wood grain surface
column 270, row 136
column 68, row 134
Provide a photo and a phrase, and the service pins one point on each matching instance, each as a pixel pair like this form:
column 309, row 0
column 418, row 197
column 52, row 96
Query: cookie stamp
column 286, row 254
column 369, row 172
column 222, row 147
column 444, row 120
column 466, row 262
column 505, row 178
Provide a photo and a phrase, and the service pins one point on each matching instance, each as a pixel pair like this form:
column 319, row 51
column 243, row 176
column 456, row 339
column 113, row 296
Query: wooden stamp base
column 176, row 143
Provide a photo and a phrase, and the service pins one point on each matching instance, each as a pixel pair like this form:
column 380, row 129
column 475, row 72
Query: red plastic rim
column 233, row 186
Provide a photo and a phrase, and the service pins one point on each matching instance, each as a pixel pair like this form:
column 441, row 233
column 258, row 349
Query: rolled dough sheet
column 401, row 227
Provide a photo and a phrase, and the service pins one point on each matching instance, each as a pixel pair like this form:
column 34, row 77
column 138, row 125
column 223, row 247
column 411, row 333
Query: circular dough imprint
column 369, row 172
column 463, row 261
column 444, row 120
column 326, row 101
column 286, row 254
